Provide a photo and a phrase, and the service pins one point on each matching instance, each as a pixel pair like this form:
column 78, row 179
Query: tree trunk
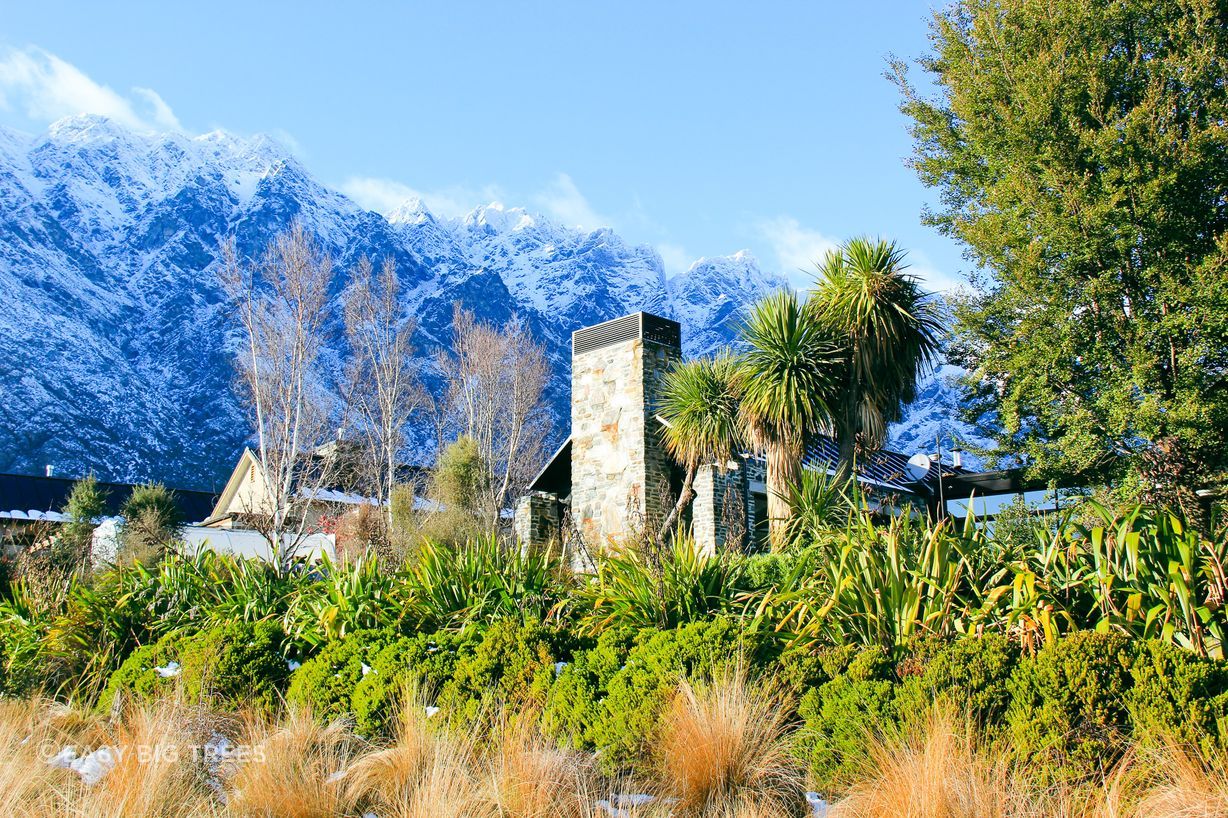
column 684, row 498
column 784, row 465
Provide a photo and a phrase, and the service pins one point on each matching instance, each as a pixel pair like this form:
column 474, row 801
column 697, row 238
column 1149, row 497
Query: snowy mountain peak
column 115, row 333
column 497, row 218
column 411, row 211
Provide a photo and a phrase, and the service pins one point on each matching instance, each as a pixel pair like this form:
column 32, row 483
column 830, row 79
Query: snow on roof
column 35, row 515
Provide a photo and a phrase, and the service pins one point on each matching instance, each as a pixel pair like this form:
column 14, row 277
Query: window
column 759, row 534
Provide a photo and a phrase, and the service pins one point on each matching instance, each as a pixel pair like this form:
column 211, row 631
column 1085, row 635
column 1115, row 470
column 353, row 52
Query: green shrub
column 1068, row 705
column 22, row 628
column 136, row 679
column 513, row 665
column 843, row 715
column 235, row 665
column 1177, row 695
column 573, row 704
column 325, row 683
column 973, row 674
column 627, row 716
column 801, row 669
column 427, row 659
column 481, row 581
column 686, row 584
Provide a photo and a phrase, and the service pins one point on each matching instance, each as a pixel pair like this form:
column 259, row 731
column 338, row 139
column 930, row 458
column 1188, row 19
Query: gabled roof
column 247, row 461
column 555, row 476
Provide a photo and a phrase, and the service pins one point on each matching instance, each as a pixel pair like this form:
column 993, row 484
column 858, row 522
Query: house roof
column 885, row 468
column 555, row 476
column 35, row 497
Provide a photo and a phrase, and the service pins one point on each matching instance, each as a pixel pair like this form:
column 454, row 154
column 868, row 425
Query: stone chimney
column 620, row 473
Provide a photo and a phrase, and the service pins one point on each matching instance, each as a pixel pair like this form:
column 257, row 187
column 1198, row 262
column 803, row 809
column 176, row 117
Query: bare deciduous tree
column 281, row 302
column 383, row 391
column 496, row 382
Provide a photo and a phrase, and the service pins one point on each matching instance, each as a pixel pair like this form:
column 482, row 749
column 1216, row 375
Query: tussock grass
column 1178, row 783
column 527, row 776
column 26, row 781
column 154, row 776
column 939, row 768
column 293, row 769
column 424, row 771
column 722, row 751
column 723, row 747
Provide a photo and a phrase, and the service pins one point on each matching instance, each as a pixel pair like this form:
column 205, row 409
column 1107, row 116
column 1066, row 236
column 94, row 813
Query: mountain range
column 116, row 342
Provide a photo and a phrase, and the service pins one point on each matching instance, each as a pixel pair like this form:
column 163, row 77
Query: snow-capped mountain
column 114, row 334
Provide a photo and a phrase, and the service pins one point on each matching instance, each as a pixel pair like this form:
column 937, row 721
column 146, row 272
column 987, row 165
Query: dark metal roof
column 984, row 484
column 24, row 492
column 642, row 325
column 885, row 467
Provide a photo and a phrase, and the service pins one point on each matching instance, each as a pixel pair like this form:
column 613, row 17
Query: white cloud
column 934, row 279
column 675, row 257
column 45, row 88
column 563, row 202
column 386, row 195
column 797, row 249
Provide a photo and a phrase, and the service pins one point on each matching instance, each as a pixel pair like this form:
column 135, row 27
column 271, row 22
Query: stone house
column 612, row 479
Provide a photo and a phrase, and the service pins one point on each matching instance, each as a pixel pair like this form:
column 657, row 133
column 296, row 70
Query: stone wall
column 723, row 514
column 537, row 519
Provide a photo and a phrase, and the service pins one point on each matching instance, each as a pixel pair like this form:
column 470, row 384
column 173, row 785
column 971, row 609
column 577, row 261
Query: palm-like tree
column 786, row 377
column 699, row 410
column 889, row 327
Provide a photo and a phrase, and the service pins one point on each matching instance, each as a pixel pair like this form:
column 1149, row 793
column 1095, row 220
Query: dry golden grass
column 292, row 769
column 26, row 781
column 724, row 747
column 938, row 769
column 1177, row 783
column 424, row 771
column 155, row 774
column 527, row 776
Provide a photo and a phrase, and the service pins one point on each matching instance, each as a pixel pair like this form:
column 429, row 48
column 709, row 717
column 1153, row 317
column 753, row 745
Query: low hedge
column 628, row 709
column 325, row 683
column 513, row 666
column 427, row 660
column 136, row 679
column 239, row 665
column 1070, row 709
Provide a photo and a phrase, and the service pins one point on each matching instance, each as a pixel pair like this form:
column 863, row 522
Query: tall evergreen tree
column 699, row 405
column 1081, row 155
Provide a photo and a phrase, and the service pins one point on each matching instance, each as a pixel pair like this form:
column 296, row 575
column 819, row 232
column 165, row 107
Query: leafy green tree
column 786, row 377
column 86, row 503
column 152, row 521
column 1081, row 157
column 889, row 327
column 70, row 551
column 699, row 407
column 459, row 475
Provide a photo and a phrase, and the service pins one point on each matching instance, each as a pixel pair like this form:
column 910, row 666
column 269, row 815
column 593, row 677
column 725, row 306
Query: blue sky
column 698, row 128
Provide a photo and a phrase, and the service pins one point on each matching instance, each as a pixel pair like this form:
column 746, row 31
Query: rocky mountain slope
column 114, row 337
